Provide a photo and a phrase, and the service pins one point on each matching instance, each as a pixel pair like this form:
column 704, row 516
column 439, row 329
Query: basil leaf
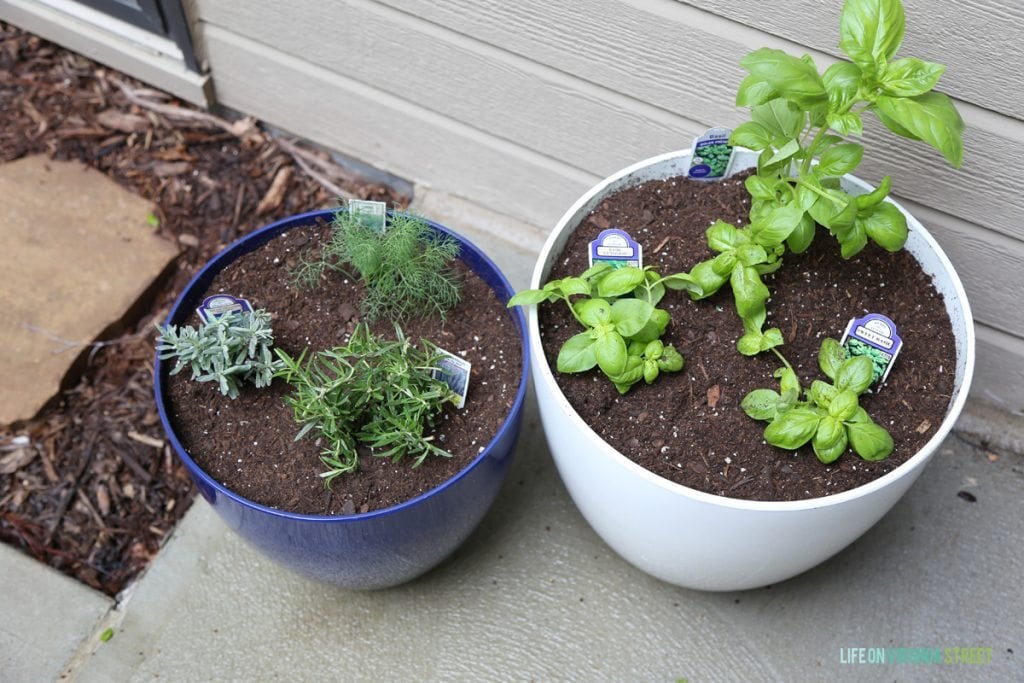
column 593, row 312
column 748, row 290
column 785, row 152
column 930, row 117
column 631, row 315
column 793, row 428
column 793, row 78
column 610, row 350
column 822, row 393
column 620, row 281
column 577, row 354
column 780, row 117
column 575, row 285
column 853, row 240
column 724, row 263
column 842, row 81
column 802, row 236
column 754, row 91
column 870, row 441
column 761, row 404
column 759, row 188
column 528, row 297
column 866, row 201
column 650, row 371
column 788, row 381
column 855, row 374
column 776, row 226
column 849, row 123
column 840, row 159
column 871, row 31
column 722, row 236
column 670, row 360
column 751, row 254
column 654, row 328
column 830, row 356
column 844, row 405
column 835, row 210
column 911, row 76
column 705, row 278
column 830, row 440
column 596, row 269
column 771, row 338
column 750, row 343
column 885, row 225
column 750, row 135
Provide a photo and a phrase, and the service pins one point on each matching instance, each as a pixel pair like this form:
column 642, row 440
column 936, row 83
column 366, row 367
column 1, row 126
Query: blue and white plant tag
column 712, row 155
column 373, row 215
column 616, row 247
column 217, row 305
column 874, row 336
column 454, row 371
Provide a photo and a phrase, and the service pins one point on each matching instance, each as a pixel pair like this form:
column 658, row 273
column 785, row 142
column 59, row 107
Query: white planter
column 708, row 542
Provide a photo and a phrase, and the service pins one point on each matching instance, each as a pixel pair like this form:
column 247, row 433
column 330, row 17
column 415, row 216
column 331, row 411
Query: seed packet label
column 873, row 336
column 616, row 247
column 373, row 215
column 712, row 155
column 217, row 305
column 454, row 371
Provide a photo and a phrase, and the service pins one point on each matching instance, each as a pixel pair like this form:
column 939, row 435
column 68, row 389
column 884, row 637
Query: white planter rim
column 952, row 413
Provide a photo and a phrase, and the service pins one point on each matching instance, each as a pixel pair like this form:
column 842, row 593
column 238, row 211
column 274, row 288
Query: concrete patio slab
column 47, row 617
column 535, row 595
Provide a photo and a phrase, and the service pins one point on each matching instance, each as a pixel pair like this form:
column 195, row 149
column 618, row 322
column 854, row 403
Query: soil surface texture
column 688, row 427
column 248, row 443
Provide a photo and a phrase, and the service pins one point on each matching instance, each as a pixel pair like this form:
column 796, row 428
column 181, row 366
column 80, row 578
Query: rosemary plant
column 373, row 392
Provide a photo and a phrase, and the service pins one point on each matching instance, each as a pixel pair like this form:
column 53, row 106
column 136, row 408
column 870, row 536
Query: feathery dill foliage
column 373, row 392
column 231, row 349
column 407, row 269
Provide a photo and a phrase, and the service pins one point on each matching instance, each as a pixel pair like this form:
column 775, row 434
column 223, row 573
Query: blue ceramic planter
column 376, row 549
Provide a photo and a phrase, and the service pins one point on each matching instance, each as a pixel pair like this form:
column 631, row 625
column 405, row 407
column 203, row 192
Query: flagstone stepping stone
column 78, row 250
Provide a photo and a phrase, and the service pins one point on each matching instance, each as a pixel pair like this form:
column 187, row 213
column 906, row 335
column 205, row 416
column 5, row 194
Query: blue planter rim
column 253, row 241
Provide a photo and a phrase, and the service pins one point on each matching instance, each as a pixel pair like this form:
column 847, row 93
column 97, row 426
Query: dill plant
column 406, row 269
column 373, row 392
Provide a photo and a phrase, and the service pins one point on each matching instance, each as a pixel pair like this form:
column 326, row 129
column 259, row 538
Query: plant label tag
column 873, row 336
column 616, row 247
column 454, row 371
column 712, row 155
column 217, row 305
column 372, row 215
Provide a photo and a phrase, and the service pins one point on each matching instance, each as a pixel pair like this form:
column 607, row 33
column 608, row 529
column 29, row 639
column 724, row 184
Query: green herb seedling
column 798, row 115
column 406, row 269
column 373, row 392
column 228, row 350
column 830, row 417
column 617, row 306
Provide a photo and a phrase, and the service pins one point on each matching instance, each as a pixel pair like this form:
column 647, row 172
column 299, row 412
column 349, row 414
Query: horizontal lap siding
column 521, row 106
column 981, row 41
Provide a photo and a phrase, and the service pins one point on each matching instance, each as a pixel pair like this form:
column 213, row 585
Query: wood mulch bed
column 688, row 426
column 95, row 490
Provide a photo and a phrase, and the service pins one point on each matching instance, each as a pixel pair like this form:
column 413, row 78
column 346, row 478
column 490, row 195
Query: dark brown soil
column 248, row 444
column 688, row 427
column 97, row 489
